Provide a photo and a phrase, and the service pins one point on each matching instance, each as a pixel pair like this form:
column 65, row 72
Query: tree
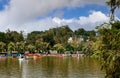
column 42, row 46
column 20, row 46
column 113, row 5
column 61, row 34
column 33, row 36
column 13, row 36
column 87, row 48
column 80, row 31
column 2, row 46
column 3, row 37
column 31, row 48
column 11, row 47
column 109, row 49
column 48, row 37
column 91, row 35
column 70, row 48
column 59, row 47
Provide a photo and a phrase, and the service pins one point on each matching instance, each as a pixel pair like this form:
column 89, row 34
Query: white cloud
column 95, row 18
column 89, row 23
column 22, row 11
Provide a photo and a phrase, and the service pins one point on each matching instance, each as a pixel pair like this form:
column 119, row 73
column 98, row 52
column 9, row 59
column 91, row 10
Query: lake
column 50, row 67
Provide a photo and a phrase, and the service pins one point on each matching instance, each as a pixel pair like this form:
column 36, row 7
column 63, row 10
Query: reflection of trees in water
column 54, row 67
column 84, row 68
column 50, row 67
column 9, row 67
column 70, row 67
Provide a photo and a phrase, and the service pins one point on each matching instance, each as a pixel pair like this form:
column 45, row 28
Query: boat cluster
column 27, row 56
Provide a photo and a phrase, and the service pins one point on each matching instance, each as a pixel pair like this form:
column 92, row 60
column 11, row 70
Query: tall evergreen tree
column 113, row 5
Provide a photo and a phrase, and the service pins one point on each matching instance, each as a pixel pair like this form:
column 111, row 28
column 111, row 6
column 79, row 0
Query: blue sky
column 82, row 11
column 38, row 15
column 2, row 3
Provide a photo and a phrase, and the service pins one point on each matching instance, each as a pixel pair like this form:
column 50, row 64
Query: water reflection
column 50, row 67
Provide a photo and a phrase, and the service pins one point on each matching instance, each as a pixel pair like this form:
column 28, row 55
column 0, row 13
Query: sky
column 40, row 15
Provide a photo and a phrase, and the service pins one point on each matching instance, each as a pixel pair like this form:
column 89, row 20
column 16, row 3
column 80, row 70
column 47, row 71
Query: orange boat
column 33, row 55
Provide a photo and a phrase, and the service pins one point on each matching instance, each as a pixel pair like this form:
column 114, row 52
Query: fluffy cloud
column 22, row 11
column 94, row 17
column 89, row 23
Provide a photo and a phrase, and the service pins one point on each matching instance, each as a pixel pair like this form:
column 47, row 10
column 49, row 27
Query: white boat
column 21, row 57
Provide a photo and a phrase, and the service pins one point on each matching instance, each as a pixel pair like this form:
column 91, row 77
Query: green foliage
column 3, row 37
column 31, row 48
column 33, row 36
column 62, row 34
column 20, row 46
column 81, row 33
column 87, row 49
column 80, row 46
column 108, row 49
column 48, row 37
column 11, row 47
column 70, row 48
column 59, row 47
column 2, row 46
column 43, row 41
column 42, row 46
column 13, row 36
column 52, row 36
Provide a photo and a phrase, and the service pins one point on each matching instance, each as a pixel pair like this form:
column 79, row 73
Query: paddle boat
column 21, row 57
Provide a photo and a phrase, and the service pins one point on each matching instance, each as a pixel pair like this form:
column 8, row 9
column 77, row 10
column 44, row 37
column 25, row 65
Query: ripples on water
column 50, row 67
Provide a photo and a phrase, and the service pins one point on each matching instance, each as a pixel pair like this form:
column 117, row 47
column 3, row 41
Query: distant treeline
column 61, row 39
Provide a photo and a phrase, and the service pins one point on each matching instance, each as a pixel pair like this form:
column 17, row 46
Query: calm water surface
column 50, row 67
